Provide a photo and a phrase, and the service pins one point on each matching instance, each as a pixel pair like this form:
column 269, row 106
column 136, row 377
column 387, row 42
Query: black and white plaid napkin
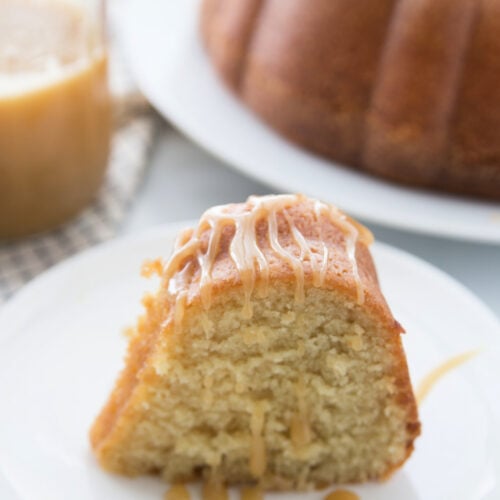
column 136, row 125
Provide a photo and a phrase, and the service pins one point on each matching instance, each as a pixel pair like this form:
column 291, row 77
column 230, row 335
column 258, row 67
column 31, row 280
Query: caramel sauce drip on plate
column 342, row 495
column 177, row 492
column 251, row 493
column 435, row 375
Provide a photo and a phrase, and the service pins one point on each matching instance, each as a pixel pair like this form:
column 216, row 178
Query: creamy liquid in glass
column 54, row 113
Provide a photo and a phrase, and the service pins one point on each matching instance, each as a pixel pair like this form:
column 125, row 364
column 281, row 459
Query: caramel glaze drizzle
column 248, row 256
column 300, row 429
column 258, row 459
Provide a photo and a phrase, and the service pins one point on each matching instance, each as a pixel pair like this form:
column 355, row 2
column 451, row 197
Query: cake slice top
column 288, row 237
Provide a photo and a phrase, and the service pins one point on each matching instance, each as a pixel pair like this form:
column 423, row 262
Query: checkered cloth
column 136, row 125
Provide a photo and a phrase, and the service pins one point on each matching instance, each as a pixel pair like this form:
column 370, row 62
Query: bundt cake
column 404, row 89
column 268, row 355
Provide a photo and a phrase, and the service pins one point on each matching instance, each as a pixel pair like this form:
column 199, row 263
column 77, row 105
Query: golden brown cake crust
column 124, row 409
column 412, row 127
column 400, row 89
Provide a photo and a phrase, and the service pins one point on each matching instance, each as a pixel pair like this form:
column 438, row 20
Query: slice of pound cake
column 267, row 355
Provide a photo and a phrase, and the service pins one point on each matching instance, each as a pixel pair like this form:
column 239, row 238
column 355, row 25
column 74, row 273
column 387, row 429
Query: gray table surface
column 184, row 180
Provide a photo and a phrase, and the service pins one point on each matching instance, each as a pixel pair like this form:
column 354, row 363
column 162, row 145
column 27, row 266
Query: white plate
column 61, row 347
column 172, row 70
